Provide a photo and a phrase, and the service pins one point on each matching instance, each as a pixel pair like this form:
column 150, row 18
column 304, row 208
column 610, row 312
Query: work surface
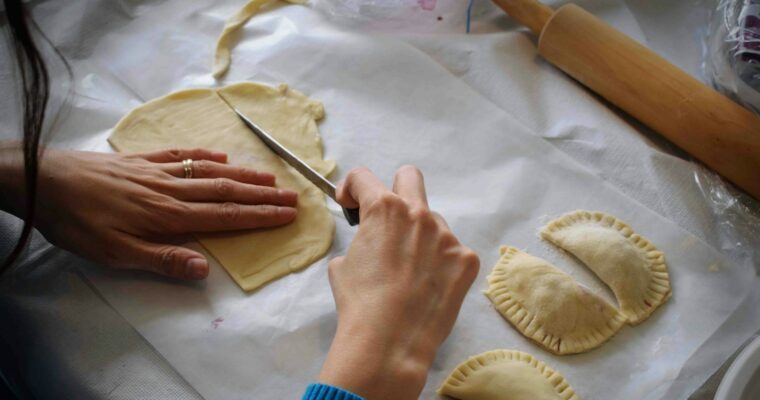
column 505, row 142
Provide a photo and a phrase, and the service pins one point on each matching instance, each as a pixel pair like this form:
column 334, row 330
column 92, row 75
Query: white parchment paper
column 388, row 103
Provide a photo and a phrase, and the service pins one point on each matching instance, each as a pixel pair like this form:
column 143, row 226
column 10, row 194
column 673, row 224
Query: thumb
column 172, row 261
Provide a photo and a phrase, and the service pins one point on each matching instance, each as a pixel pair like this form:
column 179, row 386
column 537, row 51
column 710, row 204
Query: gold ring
column 187, row 166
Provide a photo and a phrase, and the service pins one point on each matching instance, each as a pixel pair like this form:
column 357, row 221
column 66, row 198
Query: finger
column 218, row 217
column 172, row 261
column 470, row 267
column 410, row 186
column 361, row 186
column 441, row 221
column 177, row 155
column 227, row 190
column 211, row 169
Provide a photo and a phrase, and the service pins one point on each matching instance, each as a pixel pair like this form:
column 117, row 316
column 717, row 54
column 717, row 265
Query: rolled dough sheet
column 199, row 118
column 222, row 57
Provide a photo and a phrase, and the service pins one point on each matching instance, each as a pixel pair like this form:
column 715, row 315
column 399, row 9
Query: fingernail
column 288, row 196
column 219, row 155
column 269, row 177
column 196, row 268
column 287, row 212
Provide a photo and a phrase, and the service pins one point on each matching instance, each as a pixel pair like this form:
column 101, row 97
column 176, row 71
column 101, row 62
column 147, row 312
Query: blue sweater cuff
column 319, row 391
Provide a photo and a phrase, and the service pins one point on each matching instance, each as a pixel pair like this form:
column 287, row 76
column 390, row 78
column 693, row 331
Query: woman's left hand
column 123, row 210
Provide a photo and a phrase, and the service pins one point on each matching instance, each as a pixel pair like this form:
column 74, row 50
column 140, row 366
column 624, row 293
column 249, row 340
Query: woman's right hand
column 397, row 291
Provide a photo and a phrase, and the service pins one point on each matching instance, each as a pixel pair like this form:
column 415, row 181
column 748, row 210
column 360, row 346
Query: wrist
column 373, row 367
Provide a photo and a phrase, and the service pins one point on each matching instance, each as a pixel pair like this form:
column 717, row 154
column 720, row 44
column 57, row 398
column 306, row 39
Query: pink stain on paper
column 215, row 323
column 427, row 5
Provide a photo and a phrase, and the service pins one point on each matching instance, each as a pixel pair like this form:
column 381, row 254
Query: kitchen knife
column 352, row 214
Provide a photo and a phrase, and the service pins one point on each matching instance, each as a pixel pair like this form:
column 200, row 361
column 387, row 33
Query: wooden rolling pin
column 701, row 121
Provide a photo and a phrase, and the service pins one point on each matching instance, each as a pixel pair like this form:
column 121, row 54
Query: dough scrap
column 628, row 263
column 222, row 57
column 199, row 118
column 506, row 375
column 548, row 306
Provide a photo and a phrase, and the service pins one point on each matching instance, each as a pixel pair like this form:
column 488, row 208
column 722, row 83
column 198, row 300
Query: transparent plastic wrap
column 392, row 15
column 732, row 59
column 732, row 65
column 736, row 216
column 411, row 16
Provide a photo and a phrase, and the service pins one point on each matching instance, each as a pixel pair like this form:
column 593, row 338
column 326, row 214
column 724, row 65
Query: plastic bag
column 732, row 59
column 732, row 63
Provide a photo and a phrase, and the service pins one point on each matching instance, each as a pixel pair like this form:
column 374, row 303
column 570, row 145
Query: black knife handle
column 352, row 215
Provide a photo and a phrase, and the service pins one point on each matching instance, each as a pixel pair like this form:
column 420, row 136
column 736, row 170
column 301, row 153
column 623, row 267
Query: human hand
column 397, row 291
column 123, row 210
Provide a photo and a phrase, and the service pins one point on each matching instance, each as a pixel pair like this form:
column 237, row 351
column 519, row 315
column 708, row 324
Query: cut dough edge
column 315, row 110
column 527, row 321
column 222, row 54
column 472, row 365
column 658, row 290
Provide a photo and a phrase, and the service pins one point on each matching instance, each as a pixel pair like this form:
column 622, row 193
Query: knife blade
column 351, row 214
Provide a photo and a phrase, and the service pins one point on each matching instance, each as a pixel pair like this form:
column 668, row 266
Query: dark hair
column 35, row 89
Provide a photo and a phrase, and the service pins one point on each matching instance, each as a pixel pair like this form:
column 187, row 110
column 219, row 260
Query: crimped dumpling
column 628, row 263
column 506, row 375
column 548, row 306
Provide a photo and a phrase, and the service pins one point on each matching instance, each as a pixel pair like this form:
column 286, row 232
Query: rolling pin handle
column 530, row 13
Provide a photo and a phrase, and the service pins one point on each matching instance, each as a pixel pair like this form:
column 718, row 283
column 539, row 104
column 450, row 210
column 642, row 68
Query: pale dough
column 548, row 306
column 222, row 54
column 628, row 263
column 199, row 118
column 506, row 375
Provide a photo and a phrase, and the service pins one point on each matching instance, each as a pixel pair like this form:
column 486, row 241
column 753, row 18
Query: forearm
column 11, row 177
column 372, row 368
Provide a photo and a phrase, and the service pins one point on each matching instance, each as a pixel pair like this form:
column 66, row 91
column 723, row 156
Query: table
column 56, row 311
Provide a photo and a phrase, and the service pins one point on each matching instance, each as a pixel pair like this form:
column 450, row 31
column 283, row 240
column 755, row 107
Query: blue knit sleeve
column 319, row 391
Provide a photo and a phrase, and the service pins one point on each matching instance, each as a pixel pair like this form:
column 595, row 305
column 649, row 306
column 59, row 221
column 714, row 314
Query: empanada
column 629, row 264
column 548, row 306
column 506, row 375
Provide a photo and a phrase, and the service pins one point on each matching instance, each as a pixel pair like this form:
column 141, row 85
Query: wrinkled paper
column 389, row 101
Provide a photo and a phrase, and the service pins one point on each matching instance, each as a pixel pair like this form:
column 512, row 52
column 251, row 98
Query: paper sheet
column 387, row 103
